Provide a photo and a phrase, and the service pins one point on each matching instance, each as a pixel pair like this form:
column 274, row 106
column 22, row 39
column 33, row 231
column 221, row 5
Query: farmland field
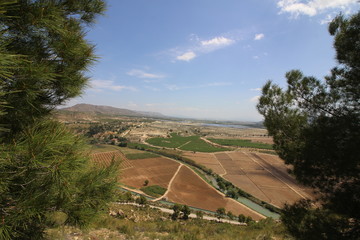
column 206, row 159
column 263, row 176
column 142, row 155
column 105, row 158
column 241, row 143
column 191, row 143
column 183, row 184
column 188, row 188
column 154, row 190
column 158, row 171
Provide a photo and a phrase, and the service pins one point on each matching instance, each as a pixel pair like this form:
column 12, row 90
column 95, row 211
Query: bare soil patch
column 188, row 188
column 158, row 171
column 245, row 183
column 230, row 166
column 207, row 160
column 268, row 174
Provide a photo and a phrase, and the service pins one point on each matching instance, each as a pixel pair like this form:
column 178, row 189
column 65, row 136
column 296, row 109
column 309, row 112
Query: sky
column 206, row 59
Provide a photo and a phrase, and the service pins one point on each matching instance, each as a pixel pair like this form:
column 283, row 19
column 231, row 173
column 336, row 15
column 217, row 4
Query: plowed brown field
column 188, row 188
column 206, row 159
column 263, row 176
column 158, row 171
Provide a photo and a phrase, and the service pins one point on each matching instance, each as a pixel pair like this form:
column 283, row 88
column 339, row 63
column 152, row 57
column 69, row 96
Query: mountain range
column 107, row 110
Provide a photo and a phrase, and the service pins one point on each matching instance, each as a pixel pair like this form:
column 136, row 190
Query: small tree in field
column 176, row 211
column 220, row 212
column 146, row 182
column 199, row 214
column 242, row 218
column 230, row 215
column 185, row 210
column 141, row 200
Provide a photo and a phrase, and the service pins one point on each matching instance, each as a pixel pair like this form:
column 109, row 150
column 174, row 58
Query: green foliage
column 241, row 143
column 46, row 176
column 47, row 171
column 50, row 35
column 316, row 128
column 122, row 144
column 158, row 227
column 176, row 211
column 185, row 210
column 146, row 182
column 220, row 212
column 306, row 223
column 140, row 155
column 124, row 196
column 230, row 215
column 199, row 214
column 154, row 190
column 242, row 218
column 141, row 200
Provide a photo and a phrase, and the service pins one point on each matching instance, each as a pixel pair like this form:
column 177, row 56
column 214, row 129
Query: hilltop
column 108, row 110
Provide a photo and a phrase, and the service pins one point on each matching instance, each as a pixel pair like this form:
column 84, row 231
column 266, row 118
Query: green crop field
column 142, row 155
column 192, row 143
column 241, row 143
column 174, row 142
column 154, row 190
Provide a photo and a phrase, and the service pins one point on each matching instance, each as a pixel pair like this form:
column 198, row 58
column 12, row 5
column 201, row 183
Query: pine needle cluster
column 46, row 176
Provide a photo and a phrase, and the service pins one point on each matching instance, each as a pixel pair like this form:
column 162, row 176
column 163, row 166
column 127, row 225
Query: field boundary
column 222, row 194
column 277, row 177
column 169, row 185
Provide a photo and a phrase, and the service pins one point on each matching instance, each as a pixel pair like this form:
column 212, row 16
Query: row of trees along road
column 44, row 169
column 316, row 128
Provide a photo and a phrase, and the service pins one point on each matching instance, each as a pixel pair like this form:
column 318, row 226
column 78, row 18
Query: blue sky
column 206, row 59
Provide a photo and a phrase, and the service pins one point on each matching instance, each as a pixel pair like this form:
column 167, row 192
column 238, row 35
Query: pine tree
column 316, row 128
column 45, row 170
column 50, row 34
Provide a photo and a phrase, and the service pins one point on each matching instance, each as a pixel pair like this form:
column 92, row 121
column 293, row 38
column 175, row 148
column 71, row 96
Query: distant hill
column 107, row 110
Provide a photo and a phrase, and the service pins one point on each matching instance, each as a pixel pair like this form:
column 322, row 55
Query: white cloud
column 217, row 42
column 142, row 74
column 199, row 47
column 255, row 99
column 312, row 7
column 327, row 19
column 99, row 85
column 259, row 36
column 186, row 56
